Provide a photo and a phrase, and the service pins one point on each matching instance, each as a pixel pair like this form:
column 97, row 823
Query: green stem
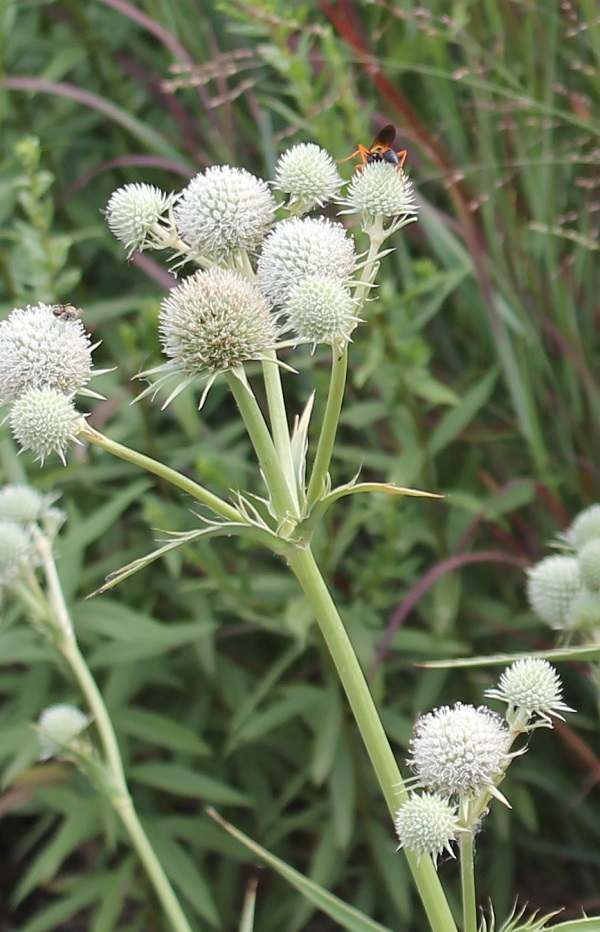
column 339, row 370
column 279, row 423
column 384, row 763
column 281, row 497
column 192, row 488
column 160, row 882
column 467, row 879
column 117, row 790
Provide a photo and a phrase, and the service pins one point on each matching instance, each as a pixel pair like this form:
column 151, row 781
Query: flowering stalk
column 275, row 479
column 107, row 774
column 279, row 423
column 308, row 574
column 216, row 504
column 467, row 880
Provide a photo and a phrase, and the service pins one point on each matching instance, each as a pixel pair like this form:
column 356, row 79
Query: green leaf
column 455, row 421
column 179, row 781
column 81, row 824
column 185, row 875
column 347, row 916
column 161, row 731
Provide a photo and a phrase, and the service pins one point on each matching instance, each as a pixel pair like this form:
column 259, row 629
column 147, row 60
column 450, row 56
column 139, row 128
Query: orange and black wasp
column 380, row 150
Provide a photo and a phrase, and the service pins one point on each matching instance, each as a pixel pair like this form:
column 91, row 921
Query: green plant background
column 475, row 377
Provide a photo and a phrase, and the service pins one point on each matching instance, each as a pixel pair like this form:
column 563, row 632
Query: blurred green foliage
column 475, row 376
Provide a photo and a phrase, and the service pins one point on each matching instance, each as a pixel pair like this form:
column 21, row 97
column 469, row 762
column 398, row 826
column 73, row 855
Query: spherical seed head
column 460, row 751
column 133, row 212
column 321, row 310
column 588, row 558
column 15, row 547
column 552, row 584
column 584, row 611
column 427, row 824
column 224, row 210
column 45, row 421
column 585, row 527
column 532, row 686
column 381, row 189
column 23, row 504
column 308, row 174
column 39, row 350
column 215, row 320
column 59, row 727
column 297, row 248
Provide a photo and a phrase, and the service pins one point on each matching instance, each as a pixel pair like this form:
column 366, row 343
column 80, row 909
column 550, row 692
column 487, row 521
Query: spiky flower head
column 585, row 527
column 40, row 350
column 427, row 824
column 532, row 689
column 59, row 727
column 321, row 310
column 15, row 548
column 381, row 189
column 136, row 213
column 45, row 421
column 214, row 321
column 223, row 211
column 297, row 248
column 460, row 751
column 552, row 584
column 309, row 175
column 588, row 558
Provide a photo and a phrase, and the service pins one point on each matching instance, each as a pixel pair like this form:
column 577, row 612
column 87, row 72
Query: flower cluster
column 460, row 755
column 564, row 589
column 23, row 510
column 45, row 360
column 262, row 282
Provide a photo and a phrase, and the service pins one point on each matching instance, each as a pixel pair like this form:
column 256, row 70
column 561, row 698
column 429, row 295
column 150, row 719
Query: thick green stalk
column 192, row 488
column 339, row 369
column 279, row 424
column 467, row 879
column 281, row 497
column 359, row 696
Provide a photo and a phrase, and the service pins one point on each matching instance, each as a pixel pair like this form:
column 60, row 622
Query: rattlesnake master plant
column 460, row 755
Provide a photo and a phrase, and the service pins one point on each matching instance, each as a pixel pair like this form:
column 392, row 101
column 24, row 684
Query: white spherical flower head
column 297, row 248
column 23, row 504
column 552, row 584
column 135, row 215
column 381, row 189
column 224, row 210
column 44, row 421
column 460, row 751
column 588, row 558
column 59, row 727
column 321, row 310
column 309, row 175
column 215, row 320
column 530, row 687
column 15, row 547
column 39, row 350
column 584, row 612
column 585, row 527
column 428, row 825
